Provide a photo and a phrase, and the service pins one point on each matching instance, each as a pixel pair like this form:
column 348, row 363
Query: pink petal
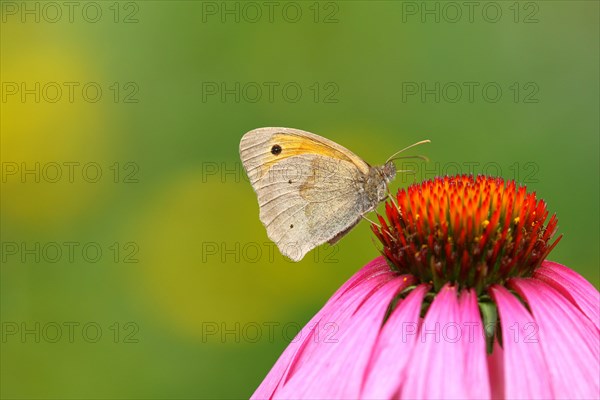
column 393, row 348
column 337, row 368
column 376, row 267
column 296, row 350
column 438, row 365
column 341, row 309
column 569, row 340
column 524, row 367
column 496, row 371
column 573, row 286
column 474, row 347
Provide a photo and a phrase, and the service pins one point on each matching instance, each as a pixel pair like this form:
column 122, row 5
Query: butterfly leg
column 379, row 226
column 392, row 199
column 372, row 222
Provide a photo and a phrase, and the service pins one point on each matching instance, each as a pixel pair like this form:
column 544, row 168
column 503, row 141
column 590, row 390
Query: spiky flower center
column 470, row 231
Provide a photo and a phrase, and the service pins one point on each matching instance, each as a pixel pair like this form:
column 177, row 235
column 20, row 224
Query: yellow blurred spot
column 45, row 143
column 226, row 274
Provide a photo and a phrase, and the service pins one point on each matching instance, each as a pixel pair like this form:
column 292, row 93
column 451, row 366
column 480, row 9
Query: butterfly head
column 378, row 180
column 388, row 171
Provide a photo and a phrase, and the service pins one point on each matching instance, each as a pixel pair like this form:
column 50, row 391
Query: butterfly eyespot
column 276, row 149
column 291, row 226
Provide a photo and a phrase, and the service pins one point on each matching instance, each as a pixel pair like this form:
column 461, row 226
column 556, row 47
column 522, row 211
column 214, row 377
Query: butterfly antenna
column 421, row 157
column 406, row 148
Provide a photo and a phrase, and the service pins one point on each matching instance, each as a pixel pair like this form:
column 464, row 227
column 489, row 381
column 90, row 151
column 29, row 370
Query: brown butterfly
column 310, row 190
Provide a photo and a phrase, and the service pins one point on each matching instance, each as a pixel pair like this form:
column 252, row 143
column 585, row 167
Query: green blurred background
column 190, row 298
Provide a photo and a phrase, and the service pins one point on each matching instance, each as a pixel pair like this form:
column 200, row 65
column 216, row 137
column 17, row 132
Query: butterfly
column 310, row 189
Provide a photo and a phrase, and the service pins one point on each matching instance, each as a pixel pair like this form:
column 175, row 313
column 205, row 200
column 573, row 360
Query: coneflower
column 463, row 304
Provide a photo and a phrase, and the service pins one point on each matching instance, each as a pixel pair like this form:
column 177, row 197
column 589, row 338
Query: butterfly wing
column 309, row 190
